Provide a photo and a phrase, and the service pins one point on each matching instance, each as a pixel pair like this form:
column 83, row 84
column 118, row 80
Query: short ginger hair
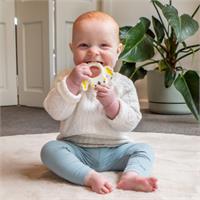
column 99, row 16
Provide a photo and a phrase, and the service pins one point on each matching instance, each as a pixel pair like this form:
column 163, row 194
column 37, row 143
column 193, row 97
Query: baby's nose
column 94, row 51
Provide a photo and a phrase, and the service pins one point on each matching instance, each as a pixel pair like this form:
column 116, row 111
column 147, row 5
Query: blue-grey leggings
column 73, row 162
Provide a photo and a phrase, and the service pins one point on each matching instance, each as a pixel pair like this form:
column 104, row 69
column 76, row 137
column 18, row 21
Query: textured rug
column 23, row 177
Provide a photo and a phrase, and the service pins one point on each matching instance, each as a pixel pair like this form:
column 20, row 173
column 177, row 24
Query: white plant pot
column 164, row 100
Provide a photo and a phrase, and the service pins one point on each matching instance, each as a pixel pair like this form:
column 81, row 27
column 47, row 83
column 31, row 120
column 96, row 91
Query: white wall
column 128, row 12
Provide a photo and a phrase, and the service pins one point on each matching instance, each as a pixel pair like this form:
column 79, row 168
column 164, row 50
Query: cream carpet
column 23, row 177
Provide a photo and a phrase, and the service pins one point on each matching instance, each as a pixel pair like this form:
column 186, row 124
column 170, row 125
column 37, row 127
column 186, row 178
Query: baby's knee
column 54, row 148
column 148, row 150
column 48, row 149
column 144, row 149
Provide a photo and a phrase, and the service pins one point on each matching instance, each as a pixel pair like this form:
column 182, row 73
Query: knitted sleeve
column 60, row 102
column 129, row 114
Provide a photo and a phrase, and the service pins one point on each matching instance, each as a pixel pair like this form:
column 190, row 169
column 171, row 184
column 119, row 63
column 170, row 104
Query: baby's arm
column 129, row 114
column 62, row 100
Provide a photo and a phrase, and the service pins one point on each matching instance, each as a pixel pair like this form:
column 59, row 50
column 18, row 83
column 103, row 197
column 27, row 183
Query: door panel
column 33, row 51
column 8, row 85
column 66, row 12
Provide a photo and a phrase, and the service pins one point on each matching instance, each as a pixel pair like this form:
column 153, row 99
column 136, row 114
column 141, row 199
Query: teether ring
column 102, row 75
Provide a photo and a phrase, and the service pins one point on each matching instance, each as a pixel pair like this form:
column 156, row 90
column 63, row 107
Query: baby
column 93, row 123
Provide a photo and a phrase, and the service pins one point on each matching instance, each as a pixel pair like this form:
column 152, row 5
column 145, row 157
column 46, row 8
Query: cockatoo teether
column 100, row 75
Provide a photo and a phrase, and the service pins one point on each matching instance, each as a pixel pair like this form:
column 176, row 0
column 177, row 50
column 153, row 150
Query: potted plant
column 167, row 38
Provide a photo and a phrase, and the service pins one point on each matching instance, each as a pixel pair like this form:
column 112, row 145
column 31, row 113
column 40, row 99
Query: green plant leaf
column 170, row 76
column 136, row 42
column 127, row 69
column 193, row 80
column 189, row 26
column 139, row 73
column 160, row 5
column 130, row 70
column 158, row 27
column 150, row 33
column 135, row 35
column 184, row 26
column 123, row 33
column 162, row 65
column 137, row 54
column 188, row 86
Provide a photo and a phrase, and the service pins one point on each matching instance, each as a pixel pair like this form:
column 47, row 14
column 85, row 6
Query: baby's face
column 95, row 41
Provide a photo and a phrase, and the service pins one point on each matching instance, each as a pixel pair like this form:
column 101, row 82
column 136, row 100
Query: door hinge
column 54, row 63
column 15, row 21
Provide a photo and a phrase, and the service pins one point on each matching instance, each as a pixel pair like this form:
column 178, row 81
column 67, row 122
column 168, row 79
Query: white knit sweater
column 83, row 120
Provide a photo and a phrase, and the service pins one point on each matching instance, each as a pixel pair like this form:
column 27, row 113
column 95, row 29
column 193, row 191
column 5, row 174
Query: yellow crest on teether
column 103, row 76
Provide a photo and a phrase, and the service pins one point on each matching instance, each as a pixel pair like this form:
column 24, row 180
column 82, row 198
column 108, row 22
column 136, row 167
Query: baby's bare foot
column 132, row 181
column 98, row 183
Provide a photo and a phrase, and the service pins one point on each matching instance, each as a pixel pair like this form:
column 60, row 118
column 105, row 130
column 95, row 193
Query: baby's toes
column 109, row 186
column 152, row 180
column 104, row 190
column 153, row 183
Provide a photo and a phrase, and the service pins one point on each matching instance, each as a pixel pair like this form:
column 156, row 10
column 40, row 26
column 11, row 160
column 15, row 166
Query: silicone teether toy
column 100, row 75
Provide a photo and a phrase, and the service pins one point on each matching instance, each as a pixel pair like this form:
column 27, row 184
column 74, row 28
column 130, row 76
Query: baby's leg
column 61, row 158
column 66, row 160
column 137, row 170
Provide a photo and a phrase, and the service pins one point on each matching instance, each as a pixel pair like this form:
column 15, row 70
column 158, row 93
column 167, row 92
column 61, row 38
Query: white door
column 8, row 86
column 33, row 51
column 66, row 12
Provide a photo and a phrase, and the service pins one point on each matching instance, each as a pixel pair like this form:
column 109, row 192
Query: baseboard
column 144, row 104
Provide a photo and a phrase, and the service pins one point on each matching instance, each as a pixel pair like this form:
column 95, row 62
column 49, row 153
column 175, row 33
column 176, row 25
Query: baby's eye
column 83, row 45
column 104, row 45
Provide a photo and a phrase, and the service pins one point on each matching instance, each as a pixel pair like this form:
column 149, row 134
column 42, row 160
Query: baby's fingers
column 86, row 71
column 101, row 94
column 102, row 88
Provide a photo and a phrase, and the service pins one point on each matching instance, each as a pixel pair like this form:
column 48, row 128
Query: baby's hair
column 96, row 15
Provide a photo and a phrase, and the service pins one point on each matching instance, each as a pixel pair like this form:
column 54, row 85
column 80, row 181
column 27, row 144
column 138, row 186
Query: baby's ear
column 120, row 48
column 70, row 46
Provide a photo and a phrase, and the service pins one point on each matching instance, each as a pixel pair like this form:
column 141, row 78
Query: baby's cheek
column 113, row 57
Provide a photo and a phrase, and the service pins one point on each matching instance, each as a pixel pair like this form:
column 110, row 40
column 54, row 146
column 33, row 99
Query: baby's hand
column 108, row 99
column 105, row 94
column 78, row 74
